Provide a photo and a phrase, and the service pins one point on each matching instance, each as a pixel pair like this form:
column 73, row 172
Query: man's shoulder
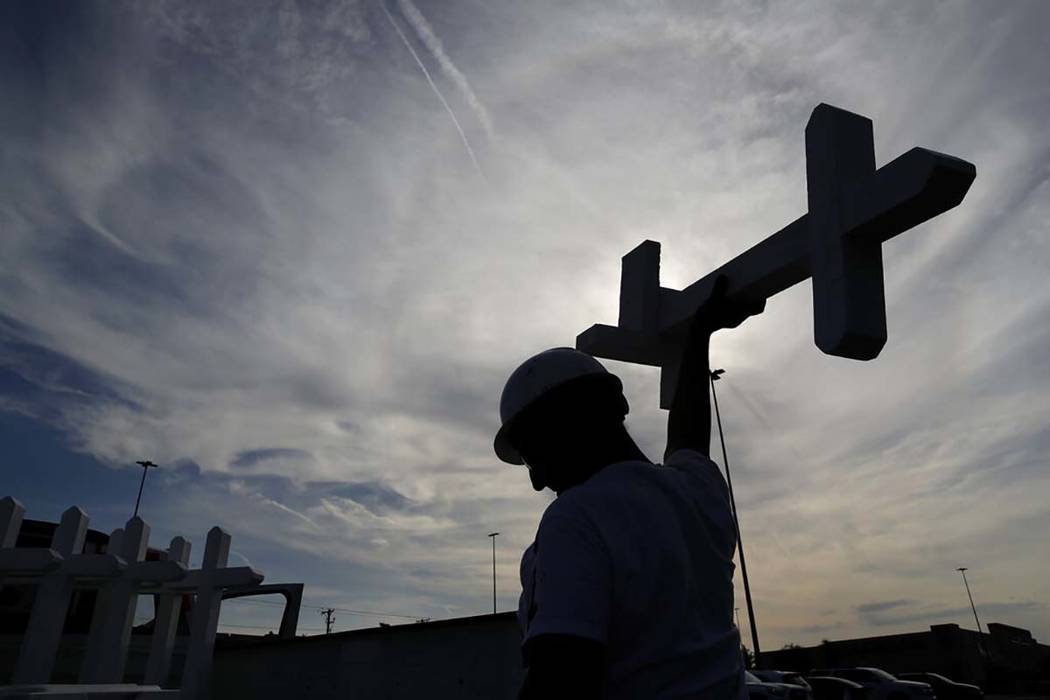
column 698, row 465
column 688, row 457
column 633, row 480
column 589, row 500
column 570, row 505
column 613, row 479
column 570, row 517
column 592, row 500
column 629, row 474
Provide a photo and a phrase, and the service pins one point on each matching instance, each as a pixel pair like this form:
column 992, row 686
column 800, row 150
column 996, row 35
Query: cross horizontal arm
column 92, row 566
column 911, row 189
column 157, row 571
column 28, row 562
column 216, row 578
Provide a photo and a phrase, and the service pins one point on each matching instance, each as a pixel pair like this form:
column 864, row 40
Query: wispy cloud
column 426, row 34
column 317, row 301
column 433, row 86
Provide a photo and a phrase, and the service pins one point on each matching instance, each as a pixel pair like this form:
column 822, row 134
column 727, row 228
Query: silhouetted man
column 627, row 591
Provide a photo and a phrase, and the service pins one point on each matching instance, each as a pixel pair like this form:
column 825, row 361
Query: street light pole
column 145, row 464
column 492, row 535
column 716, row 374
column 962, row 570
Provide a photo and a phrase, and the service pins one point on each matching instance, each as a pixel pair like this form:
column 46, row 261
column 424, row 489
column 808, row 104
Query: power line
column 229, row 625
column 350, row 611
column 375, row 614
column 260, row 602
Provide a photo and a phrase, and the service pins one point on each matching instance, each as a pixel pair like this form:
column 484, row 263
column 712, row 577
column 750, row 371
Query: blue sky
column 291, row 251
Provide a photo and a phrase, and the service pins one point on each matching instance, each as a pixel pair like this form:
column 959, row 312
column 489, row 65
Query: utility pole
column 329, row 618
column 492, row 535
column 962, row 570
column 145, row 464
column 716, row 374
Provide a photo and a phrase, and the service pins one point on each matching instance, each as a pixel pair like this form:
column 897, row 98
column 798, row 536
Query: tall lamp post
column 492, row 536
column 715, row 375
column 962, row 570
column 145, row 464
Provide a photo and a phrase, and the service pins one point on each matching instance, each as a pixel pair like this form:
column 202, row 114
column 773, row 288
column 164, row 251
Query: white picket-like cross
column 20, row 562
column 36, row 656
column 121, row 575
column 11, row 514
column 114, row 613
column 209, row 582
column 853, row 209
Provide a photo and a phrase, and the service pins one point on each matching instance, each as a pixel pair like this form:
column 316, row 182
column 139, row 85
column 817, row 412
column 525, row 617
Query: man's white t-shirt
column 640, row 558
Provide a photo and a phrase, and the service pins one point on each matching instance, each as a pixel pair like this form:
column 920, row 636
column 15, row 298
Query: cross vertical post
column 25, row 561
column 849, row 307
column 208, row 583
column 205, row 619
column 115, row 547
column 11, row 514
column 31, row 562
column 108, row 642
column 166, row 620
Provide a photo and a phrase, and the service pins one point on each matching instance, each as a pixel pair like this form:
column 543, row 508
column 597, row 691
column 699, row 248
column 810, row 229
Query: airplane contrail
column 434, row 87
column 430, row 39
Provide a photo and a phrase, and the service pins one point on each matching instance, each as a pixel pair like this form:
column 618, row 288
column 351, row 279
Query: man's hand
column 716, row 312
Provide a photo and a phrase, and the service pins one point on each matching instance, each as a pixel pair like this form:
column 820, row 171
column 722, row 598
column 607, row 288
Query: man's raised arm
column 689, row 425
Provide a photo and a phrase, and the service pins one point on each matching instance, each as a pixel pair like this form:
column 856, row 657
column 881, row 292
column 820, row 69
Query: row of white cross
column 119, row 575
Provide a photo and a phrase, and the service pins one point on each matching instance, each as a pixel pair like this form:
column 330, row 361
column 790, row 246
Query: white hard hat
column 535, row 377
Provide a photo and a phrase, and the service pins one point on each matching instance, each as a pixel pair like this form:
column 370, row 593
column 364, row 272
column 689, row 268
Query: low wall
column 476, row 657
column 71, row 654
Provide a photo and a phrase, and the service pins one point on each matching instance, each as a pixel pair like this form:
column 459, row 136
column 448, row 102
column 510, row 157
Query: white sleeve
column 572, row 583
column 691, row 461
column 712, row 491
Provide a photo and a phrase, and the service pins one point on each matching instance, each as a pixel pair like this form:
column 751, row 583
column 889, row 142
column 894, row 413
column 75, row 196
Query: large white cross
column 853, row 209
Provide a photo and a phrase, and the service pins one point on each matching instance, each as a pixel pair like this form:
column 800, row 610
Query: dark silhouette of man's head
column 563, row 417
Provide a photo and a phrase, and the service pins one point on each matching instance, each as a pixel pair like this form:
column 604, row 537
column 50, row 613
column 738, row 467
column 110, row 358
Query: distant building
column 1005, row 659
